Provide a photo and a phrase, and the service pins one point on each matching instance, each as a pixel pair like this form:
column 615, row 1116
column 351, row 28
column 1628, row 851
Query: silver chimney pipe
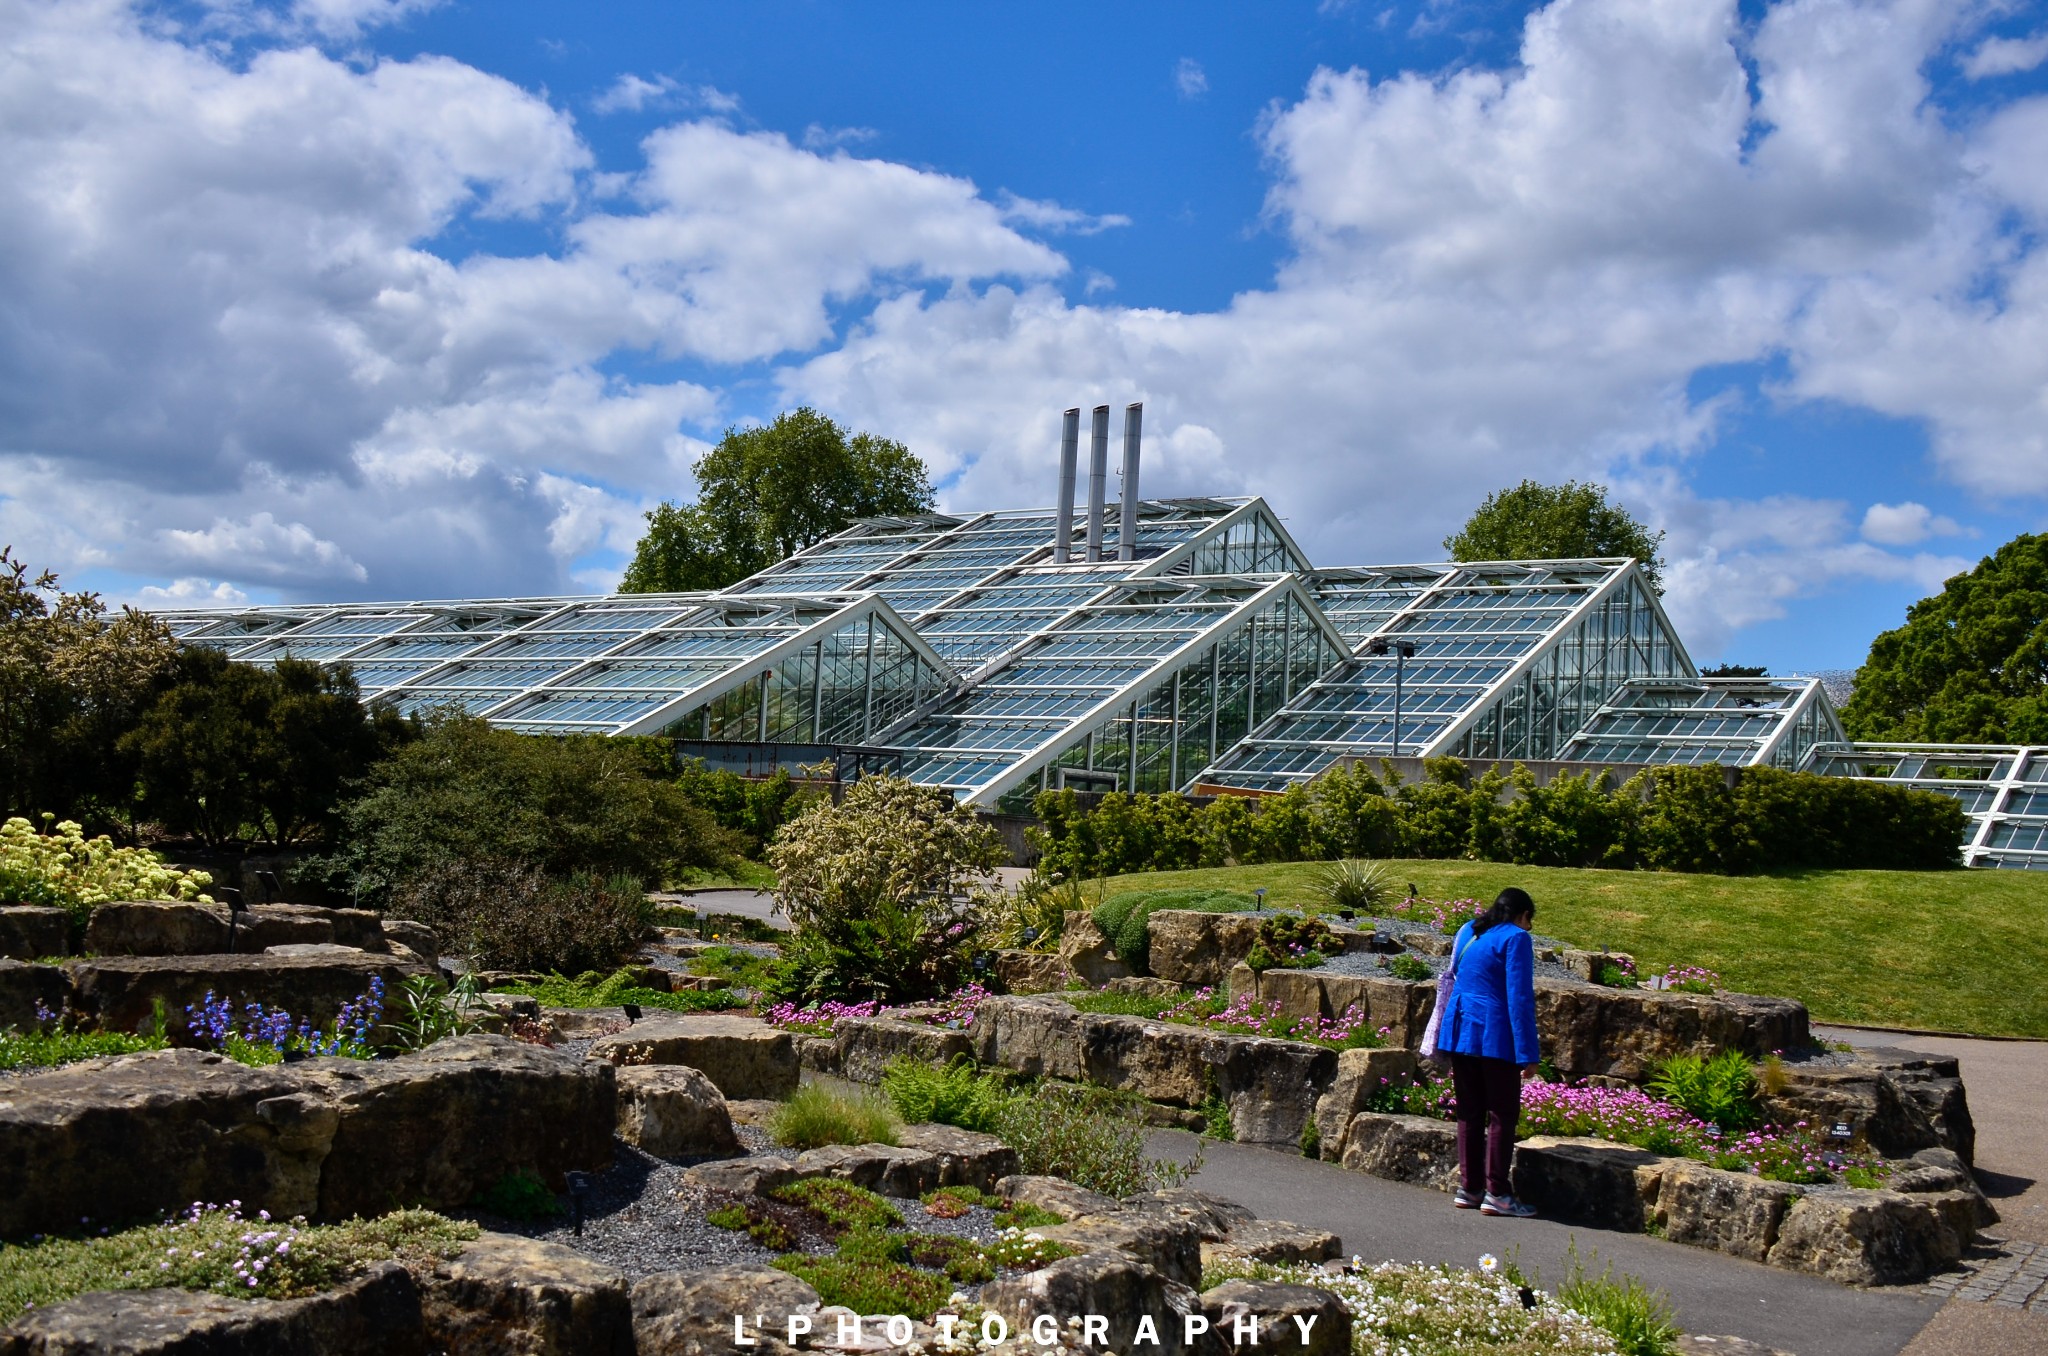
column 1070, row 448
column 1127, row 520
column 1098, row 480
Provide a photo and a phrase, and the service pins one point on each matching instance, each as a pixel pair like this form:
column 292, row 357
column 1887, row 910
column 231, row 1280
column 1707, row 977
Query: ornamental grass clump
column 212, row 1247
column 814, row 1117
column 1413, row 1309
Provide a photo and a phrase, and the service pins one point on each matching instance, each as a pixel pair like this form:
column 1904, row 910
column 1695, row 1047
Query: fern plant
column 1722, row 1089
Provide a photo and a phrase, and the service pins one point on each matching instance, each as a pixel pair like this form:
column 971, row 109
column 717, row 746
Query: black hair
column 1509, row 906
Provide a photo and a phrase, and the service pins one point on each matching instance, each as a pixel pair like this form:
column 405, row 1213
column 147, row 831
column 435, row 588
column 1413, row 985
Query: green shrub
column 1362, row 886
column 1311, row 1139
column 842, row 1205
column 1405, row 966
column 520, row 1195
column 514, row 916
column 1638, row 1318
column 62, row 868
column 1290, row 941
column 1034, row 915
column 1124, row 919
column 1722, row 1089
column 888, row 893
column 868, row 1287
column 466, row 793
column 1216, row 1118
column 814, row 1117
column 753, row 809
column 1615, row 975
column 957, row 1094
column 204, row 1249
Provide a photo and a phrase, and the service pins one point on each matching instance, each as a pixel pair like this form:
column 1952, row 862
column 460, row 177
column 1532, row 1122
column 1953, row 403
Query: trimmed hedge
column 1662, row 819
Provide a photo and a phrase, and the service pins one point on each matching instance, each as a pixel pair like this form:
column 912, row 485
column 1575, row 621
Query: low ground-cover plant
column 819, row 1018
column 841, row 1205
column 1616, row 974
column 1692, row 979
column 1438, row 915
column 1413, row 1309
column 593, row 989
column 1122, row 1004
column 263, row 1035
column 867, row 1286
column 953, row 1202
column 520, row 1195
column 744, row 969
column 1247, row 1016
column 214, row 1248
column 815, row 1116
column 49, row 1042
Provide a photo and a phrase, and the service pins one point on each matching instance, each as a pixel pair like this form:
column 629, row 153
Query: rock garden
column 295, row 1127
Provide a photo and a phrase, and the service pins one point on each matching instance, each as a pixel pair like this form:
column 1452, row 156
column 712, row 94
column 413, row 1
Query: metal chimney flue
column 1070, row 449
column 1098, row 480
column 1127, row 519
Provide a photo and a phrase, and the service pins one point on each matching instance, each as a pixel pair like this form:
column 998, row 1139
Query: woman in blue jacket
column 1489, row 1031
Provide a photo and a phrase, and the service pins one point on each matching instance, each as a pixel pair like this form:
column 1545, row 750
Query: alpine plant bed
column 1241, row 1016
column 1797, row 1153
column 212, row 1247
column 1415, row 1309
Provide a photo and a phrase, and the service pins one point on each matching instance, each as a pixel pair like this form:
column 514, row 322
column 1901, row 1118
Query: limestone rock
column 1030, row 972
column 882, row 1168
column 1144, row 984
column 1895, row 1102
column 1404, row 1149
column 509, row 1296
column 23, row 987
column 1197, row 949
column 439, row 1126
column 1625, row 1033
column 1037, row 1036
column 377, row 1312
column 965, row 1157
column 30, row 933
column 1273, row 1240
column 1866, row 1237
column 1056, row 1194
column 819, row 1054
column 1590, row 1181
column 418, row 938
column 1586, row 964
column 119, row 1140
column 742, row 1176
column 744, row 1056
column 1086, row 951
column 1731, row 1212
column 1113, row 1285
column 1301, row 1320
column 1212, row 1217
column 1430, row 943
column 577, row 1024
column 690, row 1313
column 119, row 993
column 1933, row 1171
column 866, row 1045
column 156, row 928
column 1360, row 1073
column 1399, row 1005
column 672, row 1111
column 1167, row 1244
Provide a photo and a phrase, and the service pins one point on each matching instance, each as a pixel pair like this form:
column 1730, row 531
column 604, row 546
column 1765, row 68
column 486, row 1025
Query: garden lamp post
column 1259, row 899
column 1403, row 651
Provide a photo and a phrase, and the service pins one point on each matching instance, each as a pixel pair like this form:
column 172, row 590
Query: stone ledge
column 744, row 1056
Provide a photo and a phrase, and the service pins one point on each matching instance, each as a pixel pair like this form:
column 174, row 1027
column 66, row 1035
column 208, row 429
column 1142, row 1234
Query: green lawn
column 1939, row 951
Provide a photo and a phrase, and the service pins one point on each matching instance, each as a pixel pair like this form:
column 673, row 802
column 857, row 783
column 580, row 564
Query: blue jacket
column 1492, row 1008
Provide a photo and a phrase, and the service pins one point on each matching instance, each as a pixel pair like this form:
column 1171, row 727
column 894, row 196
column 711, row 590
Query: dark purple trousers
column 1489, row 1104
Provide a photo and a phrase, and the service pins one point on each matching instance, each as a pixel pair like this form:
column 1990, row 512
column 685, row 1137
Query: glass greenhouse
column 1215, row 659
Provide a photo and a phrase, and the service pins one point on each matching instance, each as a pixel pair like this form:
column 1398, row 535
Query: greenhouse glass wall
column 954, row 649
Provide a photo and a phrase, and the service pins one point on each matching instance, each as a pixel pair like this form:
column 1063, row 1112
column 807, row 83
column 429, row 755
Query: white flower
column 1488, row 1263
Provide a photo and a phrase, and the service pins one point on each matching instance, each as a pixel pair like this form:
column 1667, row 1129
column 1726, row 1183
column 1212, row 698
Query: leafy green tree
column 763, row 494
column 466, row 793
column 1556, row 522
column 231, row 750
column 73, row 679
column 1970, row 666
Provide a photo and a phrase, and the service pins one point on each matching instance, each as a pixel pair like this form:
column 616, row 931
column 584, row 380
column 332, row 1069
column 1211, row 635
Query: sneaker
column 1466, row 1200
column 1506, row 1205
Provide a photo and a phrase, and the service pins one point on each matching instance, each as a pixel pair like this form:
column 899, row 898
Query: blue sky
column 383, row 298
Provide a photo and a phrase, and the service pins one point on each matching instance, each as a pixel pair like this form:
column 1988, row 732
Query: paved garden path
column 2001, row 1306
column 1713, row 1293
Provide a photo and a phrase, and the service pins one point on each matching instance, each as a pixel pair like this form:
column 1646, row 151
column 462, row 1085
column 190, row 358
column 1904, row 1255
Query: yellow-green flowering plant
column 64, row 868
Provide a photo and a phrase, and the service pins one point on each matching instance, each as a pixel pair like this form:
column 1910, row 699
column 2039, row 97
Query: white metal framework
column 1217, row 656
